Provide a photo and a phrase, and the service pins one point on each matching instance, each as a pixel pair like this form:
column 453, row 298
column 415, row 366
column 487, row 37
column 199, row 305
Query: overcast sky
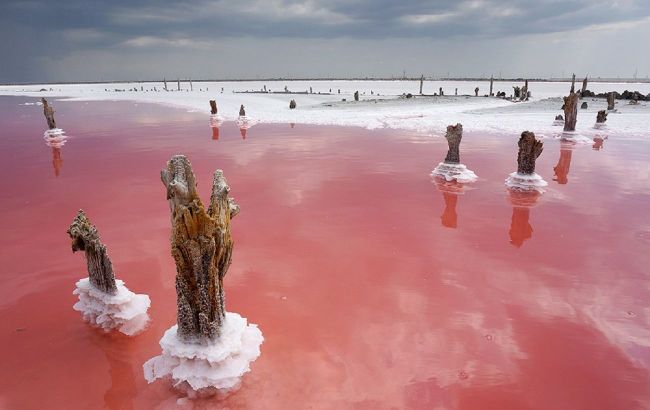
column 68, row 40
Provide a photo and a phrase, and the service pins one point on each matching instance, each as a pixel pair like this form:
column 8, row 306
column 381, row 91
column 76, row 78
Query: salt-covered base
column 600, row 125
column 215, row 120
column 203, row 369
column 245, row 122
column 124, row 311
column 454, row 172
column 526, row 182
column 572, row 136
column 557, row 123
column 55, row 137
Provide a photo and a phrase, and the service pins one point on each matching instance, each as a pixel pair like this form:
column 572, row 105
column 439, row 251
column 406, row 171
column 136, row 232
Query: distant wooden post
column 191, row 87
column 242, row 112
column 573, row 84
column 441, row 92
column 179, row 83
column 610, row 101
column 570, row 112
column 601, row 117
column 491, row 82
column 165, row 81
column 213, row 107
column 523, row 94
column 456, row 91
column 584, row 87
column 421, row 83
column 356, row 96
column 476, row 91
column 48, row 111
column 292, row 104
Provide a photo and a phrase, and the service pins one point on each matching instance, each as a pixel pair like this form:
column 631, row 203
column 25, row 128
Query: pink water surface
column 374, row 286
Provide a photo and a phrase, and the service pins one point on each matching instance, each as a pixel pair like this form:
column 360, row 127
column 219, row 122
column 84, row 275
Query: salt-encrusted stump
column 104, row 301
column 570, row 111
column 242, row 111
column 213, row 107
column 451, row 169
column 292, row 104
column 525, row 178
column 559, row 120
column 208, row 349
column 601, row 117
column 611, row 100
column 48, row 111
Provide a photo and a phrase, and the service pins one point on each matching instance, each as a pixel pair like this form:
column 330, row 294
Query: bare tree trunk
column 523, row 94
column 213, row 107
column 165, row 81
column 202, row 249
column 601, row 117
column 85, row 238
column 179, row 83
column 611, row 100
column 573, row 84
column 48, row 111
column 421, row 83
column 454, row 135
column 529, row 149
column 191, row 86
column 584, row 87
column 491, row 82
column 570, row 112
column 476, row 91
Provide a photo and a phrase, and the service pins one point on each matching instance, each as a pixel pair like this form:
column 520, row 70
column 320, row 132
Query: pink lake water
column 374, row 286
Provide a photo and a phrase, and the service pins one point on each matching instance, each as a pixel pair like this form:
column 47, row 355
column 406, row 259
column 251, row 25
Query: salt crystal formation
column 104, row 301
column 208, row 350
column 451, row 169
column 525, row 178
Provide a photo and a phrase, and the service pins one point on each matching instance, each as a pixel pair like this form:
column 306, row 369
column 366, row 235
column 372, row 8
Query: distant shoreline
column 551, row 80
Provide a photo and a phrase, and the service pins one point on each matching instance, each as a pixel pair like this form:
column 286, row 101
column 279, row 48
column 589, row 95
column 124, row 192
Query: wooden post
column 356, row 96
column 85, row 238
column 202, row 249
column 191, row 86
column 570, row 112
column 179, row 83
column 165, row 81
column 242, row 111
column 213, row 107
column 476, row 91
column 48, row 111
column 421, row 83
column 584, row 87
column 573, row 84
column 611, row 100
column 523, row 94
column 491, row 82
column 601, row 117
column 529, row 149
column 292, row 104
column 454, row 135
column 441, row 92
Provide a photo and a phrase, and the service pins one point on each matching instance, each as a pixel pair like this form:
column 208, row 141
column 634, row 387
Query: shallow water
column 374, row 286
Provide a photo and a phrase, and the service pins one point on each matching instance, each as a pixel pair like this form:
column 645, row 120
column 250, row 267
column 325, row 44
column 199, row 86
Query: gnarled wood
column 601, row 117
column 570, row 112
column 529, row 149
column 48, row 111
column 85, row 238
column 202, row 249
column 454, row 135
column 213, row 107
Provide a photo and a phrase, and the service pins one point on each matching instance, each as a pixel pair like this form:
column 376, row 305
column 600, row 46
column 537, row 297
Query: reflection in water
column 520, row 227
column 598, row 143
column 243, row 131
column 56, row 140
column 215, row 122
column 117, row 349
column 57, row 161
column 563, row 164
column 450, row 191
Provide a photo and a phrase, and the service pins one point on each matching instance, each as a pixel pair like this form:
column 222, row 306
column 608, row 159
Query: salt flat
column 380, row 105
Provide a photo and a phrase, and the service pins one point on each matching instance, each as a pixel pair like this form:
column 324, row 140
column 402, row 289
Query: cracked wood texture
column 85, row 238
column 202, row 249
column 48, row 111
column 454, row 135
column 570, row 112
column 529, row 149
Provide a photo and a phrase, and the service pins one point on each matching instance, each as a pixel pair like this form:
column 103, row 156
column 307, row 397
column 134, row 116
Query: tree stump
column 523, row 94
column 573, row 84
column 491, row 83
column 570, row 112
column 165, row 81
column 476, row 91
column 584, row 105
column 213, row 107
column 421, row 83
column 48, row 111
column 454, row 135
column 559, row 118
column 178, row 81
column 516, row 91
column 611, row 100
column 202, row 249
column 242, row 111
column 529, row 149
column 292, row 104
column 584, row 87
column 85, row 238
column 601, row 117
column 356, row 96
column 441, row 92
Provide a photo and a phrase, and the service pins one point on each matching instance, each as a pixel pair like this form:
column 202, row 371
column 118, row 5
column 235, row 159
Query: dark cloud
column 36, row 32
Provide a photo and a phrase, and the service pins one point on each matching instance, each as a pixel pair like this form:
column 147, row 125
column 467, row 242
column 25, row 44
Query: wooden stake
column 48, row 111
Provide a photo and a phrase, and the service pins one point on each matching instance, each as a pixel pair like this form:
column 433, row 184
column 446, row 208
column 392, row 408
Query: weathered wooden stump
column 202, row 249
column 421, row 83
column 584, row 87
column 523, row 94
column 559, row 118
column 242, row 111
column 441, row 92
column 48, row 111
column 491, row 83
column 570, row 111
column 584, row 105
column 611, row 100
column 601, row 117
column 165, row 81
column 292, row 104
column 573, row 84
column 454, row 135
column 529, row 149
column 85, row 238
column 516, row 91
column 476, row 91
column 356, row 96
column 213, row 107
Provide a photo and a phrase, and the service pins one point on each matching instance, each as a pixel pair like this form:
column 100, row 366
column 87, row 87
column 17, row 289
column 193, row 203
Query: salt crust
column 124, row 311
column 526, row 182
column 572, row 136
column 207, row 368
column 454, row 172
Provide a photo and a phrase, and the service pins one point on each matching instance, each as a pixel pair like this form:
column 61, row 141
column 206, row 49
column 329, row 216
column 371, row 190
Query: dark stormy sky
column 68, row 40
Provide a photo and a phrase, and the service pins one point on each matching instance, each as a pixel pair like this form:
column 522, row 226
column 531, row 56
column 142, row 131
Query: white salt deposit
column 526, row 182
column 124, row 311
column 204, row 369
column 575, row 137
column 55, row 138
column 454, row 172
